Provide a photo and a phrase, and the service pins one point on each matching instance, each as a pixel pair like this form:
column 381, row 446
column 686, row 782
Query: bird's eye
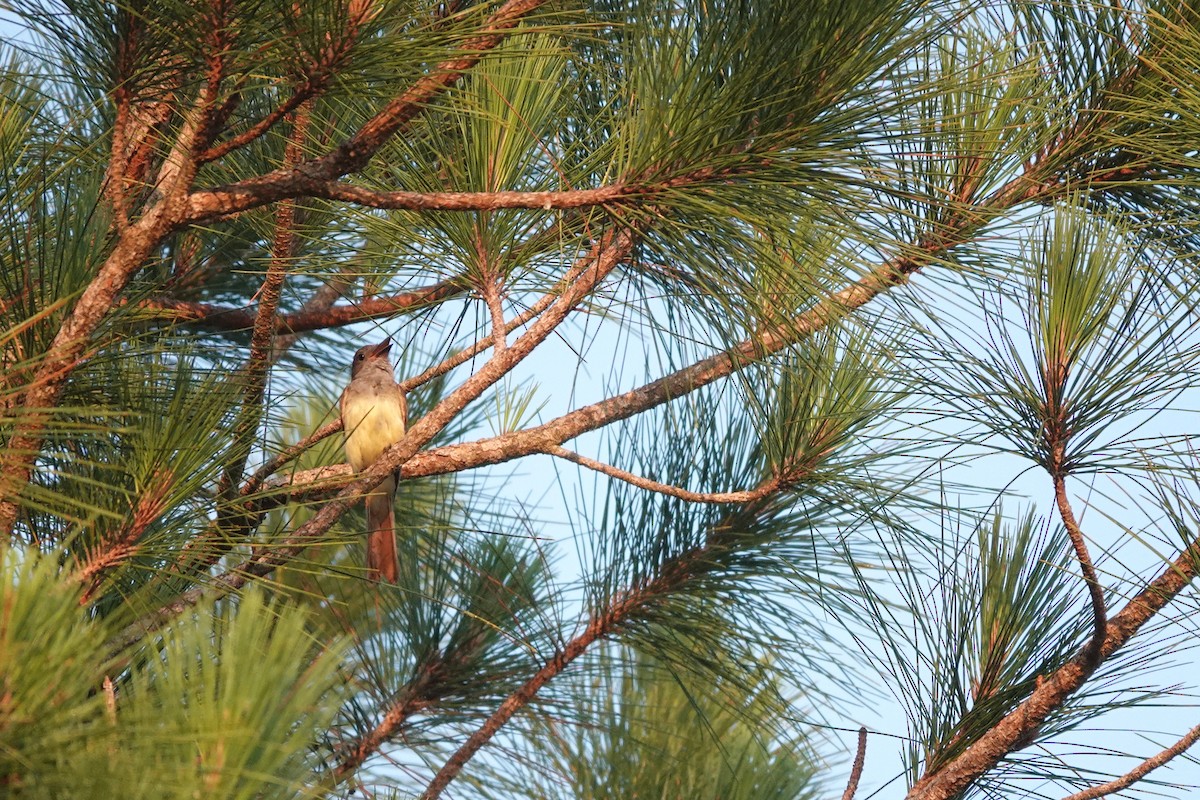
column 359, row 356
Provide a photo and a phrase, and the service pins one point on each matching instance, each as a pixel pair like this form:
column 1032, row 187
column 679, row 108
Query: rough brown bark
column 1054, row 689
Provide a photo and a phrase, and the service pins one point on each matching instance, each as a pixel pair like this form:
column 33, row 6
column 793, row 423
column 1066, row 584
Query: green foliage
column 1099, row 338
column 879, row 248
column 645, row 730
column 225, row 702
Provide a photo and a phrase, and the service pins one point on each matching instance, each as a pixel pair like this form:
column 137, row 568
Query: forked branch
column 1053, row 690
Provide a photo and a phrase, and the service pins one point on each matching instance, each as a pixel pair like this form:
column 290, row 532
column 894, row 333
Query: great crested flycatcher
column 374, row 416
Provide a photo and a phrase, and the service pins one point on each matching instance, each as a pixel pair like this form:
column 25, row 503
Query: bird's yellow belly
column 370, row 427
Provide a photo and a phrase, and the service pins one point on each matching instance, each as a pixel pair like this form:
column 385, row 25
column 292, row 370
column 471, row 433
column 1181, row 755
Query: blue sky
column 548, row 489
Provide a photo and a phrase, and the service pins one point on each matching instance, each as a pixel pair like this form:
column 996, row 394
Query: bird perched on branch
column 375, row 416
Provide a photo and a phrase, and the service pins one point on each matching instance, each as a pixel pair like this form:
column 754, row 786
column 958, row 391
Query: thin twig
column 1099, row 609
column 747, row 496
column 1140, row 771
column 491, row 297
column 466, row 354
column 287, row 454
column 302, row 93
column 258, row 363
column 860, row 758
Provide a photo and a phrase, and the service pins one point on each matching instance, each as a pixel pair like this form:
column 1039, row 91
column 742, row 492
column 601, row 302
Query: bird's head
column 371, row 356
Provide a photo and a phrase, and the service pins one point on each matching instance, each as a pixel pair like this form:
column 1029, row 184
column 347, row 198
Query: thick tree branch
column 70, row 344
column 471, row 201
column 1140, row 771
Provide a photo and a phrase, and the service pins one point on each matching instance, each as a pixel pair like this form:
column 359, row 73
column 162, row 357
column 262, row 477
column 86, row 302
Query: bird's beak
column 380, row 349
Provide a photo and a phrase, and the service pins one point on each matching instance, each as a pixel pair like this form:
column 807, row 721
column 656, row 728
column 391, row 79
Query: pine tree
column 766, row 362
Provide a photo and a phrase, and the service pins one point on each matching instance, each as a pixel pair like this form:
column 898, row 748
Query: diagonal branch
column 1140, row 771
column 304, row 92
column 419, row 694
column 466, row 354
column 331, row 56
column 622, row 609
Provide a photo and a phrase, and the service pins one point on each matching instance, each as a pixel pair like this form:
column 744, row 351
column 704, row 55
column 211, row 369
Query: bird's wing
column 403, row 406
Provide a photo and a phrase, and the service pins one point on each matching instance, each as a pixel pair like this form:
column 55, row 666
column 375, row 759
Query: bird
column 374, row 416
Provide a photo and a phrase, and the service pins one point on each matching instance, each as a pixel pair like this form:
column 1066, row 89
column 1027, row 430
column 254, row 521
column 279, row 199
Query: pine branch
column 466, row 354
column 420, row 694
column 319, row 302
column 1053, row 690
column 262, row 337
column 462, row 201
column 300, row 95
column 1096, row 592
column 624, row 608
column 1140, row 771
column 315, row 80
column 748, row 496
column 353, row 154
column 224, row 318
column 132, row 248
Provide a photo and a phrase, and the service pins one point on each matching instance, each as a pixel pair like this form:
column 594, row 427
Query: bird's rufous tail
column 381, row 533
